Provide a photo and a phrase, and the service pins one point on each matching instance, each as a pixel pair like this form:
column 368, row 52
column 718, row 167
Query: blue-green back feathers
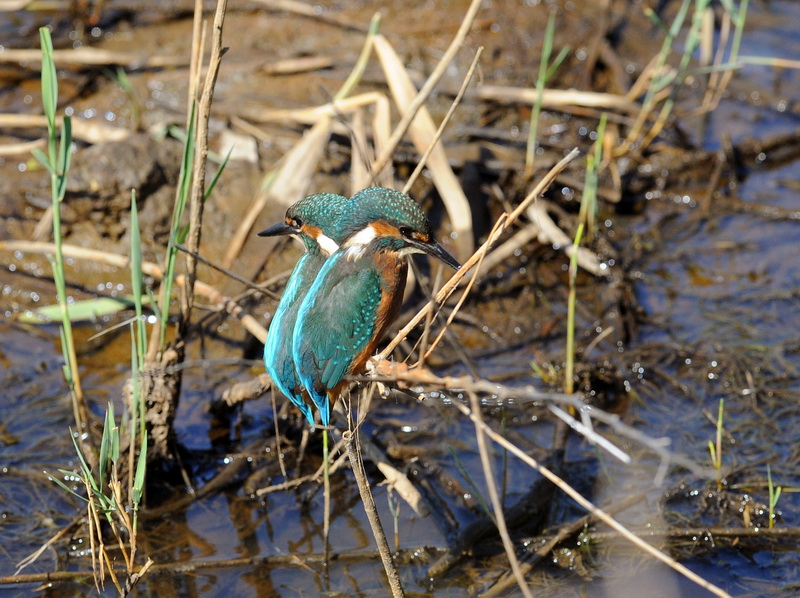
column 335, row 323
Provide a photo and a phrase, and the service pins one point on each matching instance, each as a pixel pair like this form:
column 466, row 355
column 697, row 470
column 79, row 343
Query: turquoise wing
column 335, row 323
column 278, row 348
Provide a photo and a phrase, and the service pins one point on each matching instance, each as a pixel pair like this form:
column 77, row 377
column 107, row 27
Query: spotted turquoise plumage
column 321, row 211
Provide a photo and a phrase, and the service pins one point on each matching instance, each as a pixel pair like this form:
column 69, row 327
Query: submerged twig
column 497, row 506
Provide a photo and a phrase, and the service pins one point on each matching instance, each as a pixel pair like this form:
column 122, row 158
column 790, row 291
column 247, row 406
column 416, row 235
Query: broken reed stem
column 497, row 505
column 502, row 224
column 199, row 167
column 445, row 121
column 350, row 438
column 586, row 504
column 409, row 115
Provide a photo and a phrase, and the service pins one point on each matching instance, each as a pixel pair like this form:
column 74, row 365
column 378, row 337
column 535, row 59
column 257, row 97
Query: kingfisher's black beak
column 276, row 230
column 433, row 248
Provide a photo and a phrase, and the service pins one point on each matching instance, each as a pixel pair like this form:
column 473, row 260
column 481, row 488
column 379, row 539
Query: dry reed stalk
column 506, row 250
column 550, row 234
column 310, row 116
column 197, row 195
column 291, row 66
column 89, row 131
column 466, row 23
column 359, row 157
column 558, row 98
column 23, row 147
column 438, row 135
column 381, row 133
column 423, row 132
column 89, row 56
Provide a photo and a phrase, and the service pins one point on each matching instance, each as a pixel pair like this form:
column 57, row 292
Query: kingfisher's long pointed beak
column 278, row 229
column 433, row 248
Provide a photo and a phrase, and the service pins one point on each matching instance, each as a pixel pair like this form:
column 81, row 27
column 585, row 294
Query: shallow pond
column 701, row 305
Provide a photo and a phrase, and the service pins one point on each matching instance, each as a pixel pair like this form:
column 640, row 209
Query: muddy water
column 711, row 313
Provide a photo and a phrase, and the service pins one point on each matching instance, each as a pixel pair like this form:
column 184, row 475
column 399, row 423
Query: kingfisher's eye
column 297, row 223
column 406, row 232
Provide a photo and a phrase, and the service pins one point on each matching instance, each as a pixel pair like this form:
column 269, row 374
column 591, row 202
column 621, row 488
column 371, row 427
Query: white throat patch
column 356, row 245
column 362, row 237
column 327, row 244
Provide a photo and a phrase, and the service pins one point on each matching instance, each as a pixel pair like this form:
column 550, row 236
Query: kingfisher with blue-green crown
column 359, row 290
column 313, row 221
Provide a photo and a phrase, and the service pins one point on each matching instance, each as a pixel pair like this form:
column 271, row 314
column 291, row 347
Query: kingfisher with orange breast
column 358, row 291
column 313, row 221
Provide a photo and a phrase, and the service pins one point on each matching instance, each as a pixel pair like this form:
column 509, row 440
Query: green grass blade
column 80, row 311
column 64, row 486
column 141, row 468
column 137, row 280
column 64, row 158
column 569, row 382
column 184, row 185
column 85, row 469
column 475, row 491
column 67, row 367
column 42, row 158
column 551, row 70
column 215, row 178
column 105, row 444
column 49, row 79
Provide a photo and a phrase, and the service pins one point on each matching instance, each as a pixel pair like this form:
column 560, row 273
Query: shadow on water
column 702, row 306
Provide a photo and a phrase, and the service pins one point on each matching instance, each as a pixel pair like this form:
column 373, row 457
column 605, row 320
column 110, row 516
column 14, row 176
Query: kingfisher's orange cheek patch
column 312, row 231
column 384, row 229
column 421, row 237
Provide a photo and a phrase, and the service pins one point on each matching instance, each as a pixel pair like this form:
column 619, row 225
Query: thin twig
column 427, row 88
column 503, row 223
column 423, row 160
column 350, row 438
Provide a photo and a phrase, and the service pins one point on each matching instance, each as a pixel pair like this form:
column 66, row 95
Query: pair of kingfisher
column 345, row 290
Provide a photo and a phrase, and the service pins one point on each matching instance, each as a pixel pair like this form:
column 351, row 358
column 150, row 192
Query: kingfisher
column 358, row 291
column 313, row 221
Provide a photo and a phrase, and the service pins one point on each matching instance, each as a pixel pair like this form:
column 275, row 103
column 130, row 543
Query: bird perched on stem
column 358, row 291
column 313, row 221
